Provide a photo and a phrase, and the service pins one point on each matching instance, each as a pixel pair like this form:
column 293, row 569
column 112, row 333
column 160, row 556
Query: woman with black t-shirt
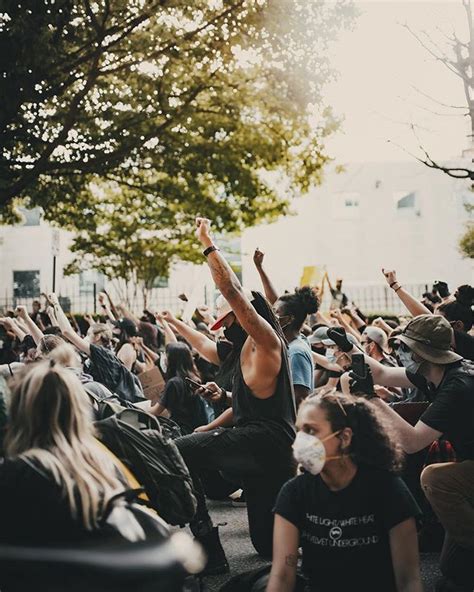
column 185, row 407
column 350, row 513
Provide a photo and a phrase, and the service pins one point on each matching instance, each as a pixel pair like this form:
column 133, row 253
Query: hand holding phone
column 210, row 391
column 359, row 366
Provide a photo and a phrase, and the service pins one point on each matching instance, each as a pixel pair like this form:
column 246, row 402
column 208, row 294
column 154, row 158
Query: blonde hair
column 50, row 427
column 103, row 331
column 66, row 356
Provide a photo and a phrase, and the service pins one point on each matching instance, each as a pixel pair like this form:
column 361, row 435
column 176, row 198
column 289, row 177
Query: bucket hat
column 431, row 337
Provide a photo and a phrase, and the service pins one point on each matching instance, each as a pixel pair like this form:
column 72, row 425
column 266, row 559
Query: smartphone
column 359, row 366
column 192, row 383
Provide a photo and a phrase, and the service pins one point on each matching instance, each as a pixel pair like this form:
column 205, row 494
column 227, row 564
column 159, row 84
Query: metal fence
column 370, row 298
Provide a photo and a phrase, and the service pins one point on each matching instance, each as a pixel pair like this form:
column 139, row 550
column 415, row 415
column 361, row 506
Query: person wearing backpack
column 258, row 447
column 179, row 398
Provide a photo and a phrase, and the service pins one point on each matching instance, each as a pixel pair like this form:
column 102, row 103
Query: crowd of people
column 314, row 417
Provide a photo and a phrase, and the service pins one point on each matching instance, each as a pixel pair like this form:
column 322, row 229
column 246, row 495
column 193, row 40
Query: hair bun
column 309, row 300
column 465, row 295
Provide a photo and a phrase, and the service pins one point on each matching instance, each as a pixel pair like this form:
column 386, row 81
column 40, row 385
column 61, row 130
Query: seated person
column 56, row 478
column 179, row 398
column 349, row 511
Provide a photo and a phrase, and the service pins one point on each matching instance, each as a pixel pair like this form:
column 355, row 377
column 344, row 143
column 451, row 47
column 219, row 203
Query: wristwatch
column 209, row 250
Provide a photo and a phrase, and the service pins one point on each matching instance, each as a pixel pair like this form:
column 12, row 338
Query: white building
column 398, row 215
column 26, row 269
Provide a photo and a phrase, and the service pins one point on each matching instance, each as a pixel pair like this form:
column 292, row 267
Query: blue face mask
column 331, row 356
column 407, row 361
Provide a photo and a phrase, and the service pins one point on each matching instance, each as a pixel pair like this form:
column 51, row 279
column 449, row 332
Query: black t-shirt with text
column 345, row 534
column 452, row 408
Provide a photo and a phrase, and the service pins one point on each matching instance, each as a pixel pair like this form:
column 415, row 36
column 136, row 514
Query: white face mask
column 407, row 361
column 310, row 453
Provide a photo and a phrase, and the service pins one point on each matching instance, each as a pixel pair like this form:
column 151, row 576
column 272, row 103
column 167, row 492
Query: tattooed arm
column 285, row 556
column 227, row 282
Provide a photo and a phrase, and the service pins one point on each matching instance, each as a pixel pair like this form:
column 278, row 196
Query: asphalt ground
column 242, row 556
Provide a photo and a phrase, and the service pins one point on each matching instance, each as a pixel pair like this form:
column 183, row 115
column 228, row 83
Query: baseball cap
column 378, row 336
column 224, row 309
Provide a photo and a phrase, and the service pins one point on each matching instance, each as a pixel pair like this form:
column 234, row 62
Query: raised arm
column 206, row 348
column 270, row 292
column 381, row 324
column 326, row 277
column 358, row 322
column 170, row 337
column 414, row 306
column 337, row 314
column 32, row 327
column 263, row 335
column 127, row 314
column 112, row 307
column 12, row 326
column 66, row 328
column 105, row 307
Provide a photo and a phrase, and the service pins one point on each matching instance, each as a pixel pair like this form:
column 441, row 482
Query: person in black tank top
column 257, row 449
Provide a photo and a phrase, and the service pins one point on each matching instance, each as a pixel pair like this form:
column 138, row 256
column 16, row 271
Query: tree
column 459, row 60
column 130, row 118
column 142, row 92
column 466, row 243
column 131, row 243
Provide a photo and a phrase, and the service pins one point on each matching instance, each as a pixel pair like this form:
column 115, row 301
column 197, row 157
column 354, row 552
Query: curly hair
column 299, row 304
column 373, row 441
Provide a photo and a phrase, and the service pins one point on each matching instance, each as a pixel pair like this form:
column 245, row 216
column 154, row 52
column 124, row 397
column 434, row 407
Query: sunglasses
column 334, row 394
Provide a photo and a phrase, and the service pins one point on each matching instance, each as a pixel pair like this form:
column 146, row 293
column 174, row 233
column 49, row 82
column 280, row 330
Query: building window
column 345, row 205
column 30, row 217
column 405, row 200
column 87, row 279
column 26, row 284
column 160, row 282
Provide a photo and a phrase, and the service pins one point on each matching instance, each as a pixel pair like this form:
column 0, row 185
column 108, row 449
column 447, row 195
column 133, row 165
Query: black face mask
column 236, row 335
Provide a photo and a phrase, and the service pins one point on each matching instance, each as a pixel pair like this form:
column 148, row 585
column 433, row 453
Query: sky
column 380, row 64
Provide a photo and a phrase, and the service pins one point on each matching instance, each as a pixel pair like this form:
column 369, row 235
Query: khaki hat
column 224, row 309
column 378, row 336
column 429, row 336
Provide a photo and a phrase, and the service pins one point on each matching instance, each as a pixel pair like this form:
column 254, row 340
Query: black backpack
column 138, row 440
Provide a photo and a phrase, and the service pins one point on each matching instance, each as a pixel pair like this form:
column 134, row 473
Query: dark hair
column 49, row 342
column 300, row 304
column 374, row 441
column 181, row 362
column 52, row 330
column 460, row 309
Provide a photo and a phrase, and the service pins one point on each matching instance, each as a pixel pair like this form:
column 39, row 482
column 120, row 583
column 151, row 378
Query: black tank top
column 278, row 411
